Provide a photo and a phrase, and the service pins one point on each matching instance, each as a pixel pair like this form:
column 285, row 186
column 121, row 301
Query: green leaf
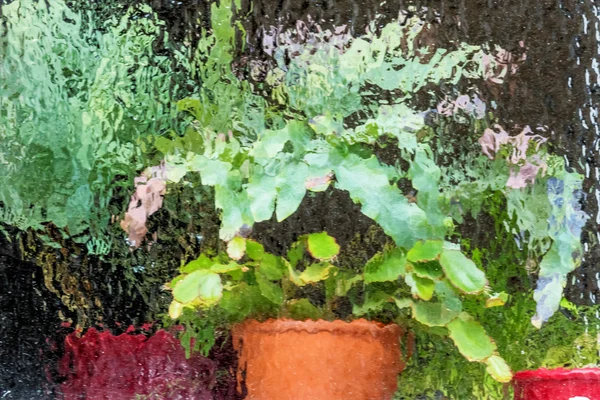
column 175, row 309
column 202, row 262
column 262, row 191
column 498, row 369
column 316, row 273
column 225, row 268
column 368, row 183
column 271, row 267
column 496, row 300
column 254, row 250
column 342, row 282
column 470, row 338
column 385, row 267
column 403, row 303
column 462, row 272
column 203, row 285
column 236, row 248
column 434, row 314
column 425, row 250
column 290, row 189
column 296, row 252
column 270, row 290
column 420, row 287
column 245, row 300
column 430, row 269
column 322, row 246
column 374, row 302
column 303, row 309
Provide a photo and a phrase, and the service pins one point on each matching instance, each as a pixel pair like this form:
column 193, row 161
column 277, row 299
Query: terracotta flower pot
column 318, row 360
column 558, row 384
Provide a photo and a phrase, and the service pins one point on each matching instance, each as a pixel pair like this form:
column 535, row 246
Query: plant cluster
column 329, row 107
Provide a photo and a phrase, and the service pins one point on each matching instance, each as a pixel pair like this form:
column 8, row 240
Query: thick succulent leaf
column 429, row 269
column 470, row 338
column 203, row 285
column 434, row 313
column 420, row 287
column 425, row 250
column 236, row 248
column 385, row 267
column 316, row 273
column 322, row 246
column 498, row 369
column 462, row 272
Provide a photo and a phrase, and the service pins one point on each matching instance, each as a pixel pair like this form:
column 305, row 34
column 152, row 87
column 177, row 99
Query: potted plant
column 318, row 120
column 301, row 354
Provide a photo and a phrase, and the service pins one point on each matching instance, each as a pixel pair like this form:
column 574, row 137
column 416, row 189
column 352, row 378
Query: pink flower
column 147, row 199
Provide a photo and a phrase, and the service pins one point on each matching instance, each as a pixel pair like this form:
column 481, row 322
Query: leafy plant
column 331, row 106
column 429, row 279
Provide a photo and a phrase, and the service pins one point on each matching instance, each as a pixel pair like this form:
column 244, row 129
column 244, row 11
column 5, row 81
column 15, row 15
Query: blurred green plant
column 76, row 108
column 428, row 279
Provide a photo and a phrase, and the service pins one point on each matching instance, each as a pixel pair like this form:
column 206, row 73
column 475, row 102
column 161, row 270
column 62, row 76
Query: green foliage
column 77, row 106
column 271, row 283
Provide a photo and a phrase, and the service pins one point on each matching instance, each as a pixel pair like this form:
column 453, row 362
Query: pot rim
column 558, row 374
column 281, row 325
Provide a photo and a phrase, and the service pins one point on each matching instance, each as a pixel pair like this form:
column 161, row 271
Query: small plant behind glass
column 428, row 279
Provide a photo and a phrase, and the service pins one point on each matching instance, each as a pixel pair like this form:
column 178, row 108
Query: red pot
column 558, row 384
column 101, row 366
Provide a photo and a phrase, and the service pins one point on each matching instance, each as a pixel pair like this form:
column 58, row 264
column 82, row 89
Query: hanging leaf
column 470, row 338
column 262, row 192
column 322, row 246
column 290, row 189
column 425, row 250
column 462, row 272
column 385, row 267
column 236, row 248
